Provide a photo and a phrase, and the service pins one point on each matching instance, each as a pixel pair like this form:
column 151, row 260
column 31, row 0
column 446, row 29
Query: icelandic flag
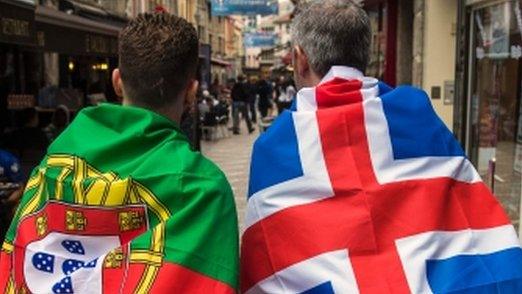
column 362, row 189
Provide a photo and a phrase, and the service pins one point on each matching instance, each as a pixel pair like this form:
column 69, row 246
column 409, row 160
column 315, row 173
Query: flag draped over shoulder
column 362, row 189
column 121, row 204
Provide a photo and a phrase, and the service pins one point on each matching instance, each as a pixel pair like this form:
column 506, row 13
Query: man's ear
column 192, row 90
column 117, row 83
column 301, row 65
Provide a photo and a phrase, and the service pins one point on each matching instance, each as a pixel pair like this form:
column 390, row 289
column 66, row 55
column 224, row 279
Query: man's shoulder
column 385, row 89
column 179, row 158
column 405, row 96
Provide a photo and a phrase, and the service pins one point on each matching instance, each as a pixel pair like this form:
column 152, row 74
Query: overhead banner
column 244, row 7
column 259, row 39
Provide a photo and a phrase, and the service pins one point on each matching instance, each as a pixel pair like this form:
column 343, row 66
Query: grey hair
column 333, row 32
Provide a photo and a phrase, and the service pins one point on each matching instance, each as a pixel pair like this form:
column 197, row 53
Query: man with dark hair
column 121, row 203
column 240, row 96
column 264, row 90
column 158, row 63
column 361, row 188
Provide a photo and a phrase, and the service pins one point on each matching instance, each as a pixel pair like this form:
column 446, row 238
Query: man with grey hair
column 361, row 188
column 329, row 33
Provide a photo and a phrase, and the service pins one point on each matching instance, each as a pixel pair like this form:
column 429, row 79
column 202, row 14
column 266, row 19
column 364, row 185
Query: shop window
column 495, row 131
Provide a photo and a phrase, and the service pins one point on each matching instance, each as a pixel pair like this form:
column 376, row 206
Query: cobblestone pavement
column 232, row 155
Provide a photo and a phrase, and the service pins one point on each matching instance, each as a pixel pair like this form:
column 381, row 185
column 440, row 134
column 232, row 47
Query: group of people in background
column 248, row 98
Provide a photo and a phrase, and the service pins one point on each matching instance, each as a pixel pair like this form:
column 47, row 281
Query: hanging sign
column 259, row 40
column 244, row 7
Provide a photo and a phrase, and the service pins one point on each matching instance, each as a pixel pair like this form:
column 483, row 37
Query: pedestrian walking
column 240, row 97
column 284, row 101
column 290, row 92
column 264, row 91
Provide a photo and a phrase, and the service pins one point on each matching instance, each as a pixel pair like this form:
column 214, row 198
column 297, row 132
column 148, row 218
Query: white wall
column 439, row 51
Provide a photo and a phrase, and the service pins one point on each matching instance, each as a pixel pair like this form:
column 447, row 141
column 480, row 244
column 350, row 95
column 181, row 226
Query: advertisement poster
column 493, row 25
column 499, row 29
column 244, row 7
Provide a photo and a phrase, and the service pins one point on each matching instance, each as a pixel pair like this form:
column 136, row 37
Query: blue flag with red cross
column 362, row 189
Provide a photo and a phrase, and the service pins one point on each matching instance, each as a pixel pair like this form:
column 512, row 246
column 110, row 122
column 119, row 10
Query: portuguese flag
column 121, row 204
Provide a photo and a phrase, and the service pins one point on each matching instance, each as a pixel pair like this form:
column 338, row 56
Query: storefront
column 488, row 119
column 85, row 52
column 17, row 39
column 48, row 58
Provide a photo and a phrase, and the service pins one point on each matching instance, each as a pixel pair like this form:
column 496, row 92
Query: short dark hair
column 158, row 57
column 333, row 32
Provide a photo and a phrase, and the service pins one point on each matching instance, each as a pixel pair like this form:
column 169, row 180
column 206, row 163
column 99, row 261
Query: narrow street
column 232, row 155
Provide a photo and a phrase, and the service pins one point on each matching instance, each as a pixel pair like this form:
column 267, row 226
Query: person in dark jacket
column 264, row 90
column 240, row 95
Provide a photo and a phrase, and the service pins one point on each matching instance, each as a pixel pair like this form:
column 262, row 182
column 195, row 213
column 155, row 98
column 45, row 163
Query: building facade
column 234, row 49
column 219, row 34
column 414, row 42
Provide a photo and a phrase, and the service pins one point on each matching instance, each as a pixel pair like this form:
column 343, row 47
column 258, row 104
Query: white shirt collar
column 344, row 72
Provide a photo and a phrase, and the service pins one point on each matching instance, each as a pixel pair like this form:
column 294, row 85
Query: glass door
column 495, row 133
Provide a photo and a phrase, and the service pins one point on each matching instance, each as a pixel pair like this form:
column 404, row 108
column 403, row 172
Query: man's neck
column 170, row 112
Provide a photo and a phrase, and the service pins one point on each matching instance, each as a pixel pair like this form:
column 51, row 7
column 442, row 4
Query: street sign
column 259, row 39
column 244, row 7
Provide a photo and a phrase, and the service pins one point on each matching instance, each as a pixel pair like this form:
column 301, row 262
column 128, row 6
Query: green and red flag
column 121, row 204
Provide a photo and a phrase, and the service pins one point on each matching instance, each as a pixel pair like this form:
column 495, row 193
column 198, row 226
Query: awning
column 60, row 32
column 62, row 19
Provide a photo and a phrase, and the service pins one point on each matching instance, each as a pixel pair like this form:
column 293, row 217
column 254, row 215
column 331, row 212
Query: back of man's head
column 158, row 59
column 333, row 32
